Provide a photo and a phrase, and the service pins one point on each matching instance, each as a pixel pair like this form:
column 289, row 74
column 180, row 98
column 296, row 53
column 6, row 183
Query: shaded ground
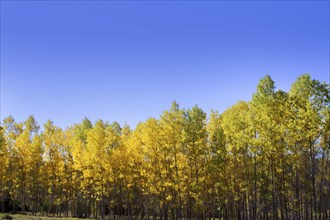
column 30, row 217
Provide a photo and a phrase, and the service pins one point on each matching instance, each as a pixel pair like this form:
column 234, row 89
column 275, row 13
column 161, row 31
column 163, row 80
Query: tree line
column 263, row 159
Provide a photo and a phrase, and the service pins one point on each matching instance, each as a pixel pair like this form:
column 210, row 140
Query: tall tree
column 3, row 171
column 197, row 153
column 54, row 166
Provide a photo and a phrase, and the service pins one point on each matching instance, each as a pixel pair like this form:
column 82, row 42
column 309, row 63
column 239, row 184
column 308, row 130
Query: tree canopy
column 268, row 158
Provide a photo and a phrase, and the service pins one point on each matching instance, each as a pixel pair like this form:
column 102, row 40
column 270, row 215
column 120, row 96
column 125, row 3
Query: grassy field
column 30, row 217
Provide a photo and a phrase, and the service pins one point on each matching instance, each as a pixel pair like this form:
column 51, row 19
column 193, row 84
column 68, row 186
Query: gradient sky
column 126, row 61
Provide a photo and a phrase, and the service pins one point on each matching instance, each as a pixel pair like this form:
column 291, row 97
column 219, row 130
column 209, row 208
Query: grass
column 38, row 217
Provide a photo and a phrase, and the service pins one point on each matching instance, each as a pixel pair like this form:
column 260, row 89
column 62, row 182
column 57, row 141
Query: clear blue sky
column 126, row 61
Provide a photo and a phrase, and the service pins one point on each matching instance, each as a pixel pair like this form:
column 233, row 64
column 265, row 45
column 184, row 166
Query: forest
column 267, row 158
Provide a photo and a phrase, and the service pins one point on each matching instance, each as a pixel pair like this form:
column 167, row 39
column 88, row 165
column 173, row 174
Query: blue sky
column 126, row 61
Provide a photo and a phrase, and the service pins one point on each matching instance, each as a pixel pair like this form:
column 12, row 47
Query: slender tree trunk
column 255, row 189
column 2, row 202
column 313, row 172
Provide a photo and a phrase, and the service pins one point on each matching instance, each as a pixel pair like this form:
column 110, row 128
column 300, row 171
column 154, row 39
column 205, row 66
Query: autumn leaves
column 268, row 157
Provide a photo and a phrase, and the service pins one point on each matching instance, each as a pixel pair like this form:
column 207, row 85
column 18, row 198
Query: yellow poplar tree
column 4, row 166
column 54, row 166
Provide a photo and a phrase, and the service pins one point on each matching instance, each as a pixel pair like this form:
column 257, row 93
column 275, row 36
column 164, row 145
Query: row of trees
column 263, row 159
